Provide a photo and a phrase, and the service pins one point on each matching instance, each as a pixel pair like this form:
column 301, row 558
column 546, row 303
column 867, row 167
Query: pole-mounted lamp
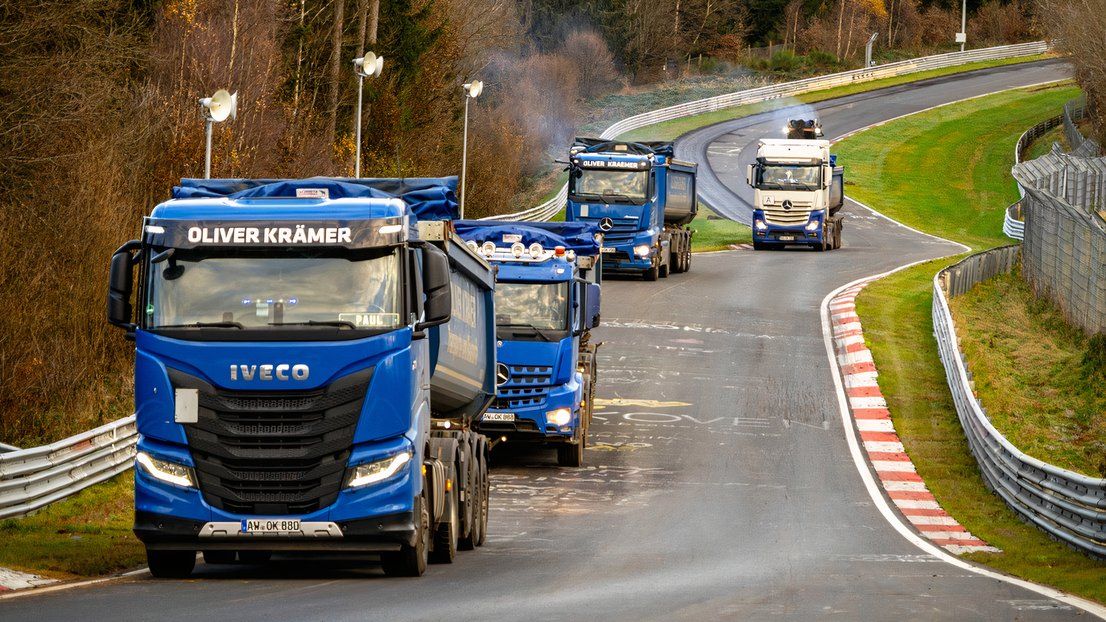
column 216, row 109
column 367, row 66
column 472, row 91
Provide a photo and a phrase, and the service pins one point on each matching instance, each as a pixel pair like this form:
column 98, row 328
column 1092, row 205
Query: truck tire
column 837, row 234
column 171, row 564
column 219, row 557
column 758, row 246
column 651, row 274
column 485, row 499
column 445, row 536
column 687, row 259
column 571, row 454
column 410, row 561
column 666, row 269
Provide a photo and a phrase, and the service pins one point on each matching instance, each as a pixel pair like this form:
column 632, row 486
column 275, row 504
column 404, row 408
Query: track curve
column 719, row 483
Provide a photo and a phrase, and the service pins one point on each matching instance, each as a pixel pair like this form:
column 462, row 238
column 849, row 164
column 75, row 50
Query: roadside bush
column 784, row 61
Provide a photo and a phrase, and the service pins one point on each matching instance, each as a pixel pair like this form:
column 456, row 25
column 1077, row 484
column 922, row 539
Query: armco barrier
column 36, row 477
column 787, row 89
column 1067, row 505
column 1013, row 224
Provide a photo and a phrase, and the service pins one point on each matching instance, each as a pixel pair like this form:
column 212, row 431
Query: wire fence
column 1062, row 226
column 1069, row 506
column 784, row 90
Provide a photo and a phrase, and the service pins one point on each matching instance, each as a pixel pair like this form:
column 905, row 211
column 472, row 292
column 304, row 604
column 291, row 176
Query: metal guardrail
column 1067, row 505
column 36, row 477
column 787, row 89
column 1013, row 223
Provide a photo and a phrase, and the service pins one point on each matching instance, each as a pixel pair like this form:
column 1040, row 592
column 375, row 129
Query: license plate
column 787, row 238
column 607, row 249
column 272, row 525
column 499, row 416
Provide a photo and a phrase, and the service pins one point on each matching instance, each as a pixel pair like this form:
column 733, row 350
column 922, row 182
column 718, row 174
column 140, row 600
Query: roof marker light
column 488, row 248
column 517, row 249
column 156, row 229
column 559, row 251
column 390, row 229
column 570, row 255
column 535, row 250
column 473, row 245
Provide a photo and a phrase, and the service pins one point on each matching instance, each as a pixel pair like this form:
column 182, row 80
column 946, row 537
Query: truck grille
column 797, row 215
column 273, row 453
column 527, row 387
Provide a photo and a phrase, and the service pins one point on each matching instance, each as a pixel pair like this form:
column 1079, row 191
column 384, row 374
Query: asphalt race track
column 719, row 485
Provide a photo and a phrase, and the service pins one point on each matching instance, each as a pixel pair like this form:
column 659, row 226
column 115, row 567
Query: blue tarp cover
column 430, row 198
column 576, row 236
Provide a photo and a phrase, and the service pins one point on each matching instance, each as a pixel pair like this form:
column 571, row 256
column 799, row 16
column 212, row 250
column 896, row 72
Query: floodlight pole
column 464, row 155
column 964, row 24
column 357, row 158
column 207, row 154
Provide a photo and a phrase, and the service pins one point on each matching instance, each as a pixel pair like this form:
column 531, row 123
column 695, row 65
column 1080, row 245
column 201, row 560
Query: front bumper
column 375, row 535
column 530, row 424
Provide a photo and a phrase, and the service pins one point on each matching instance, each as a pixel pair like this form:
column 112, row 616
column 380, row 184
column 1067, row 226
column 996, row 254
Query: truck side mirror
column 749, row 174
column 437, row 287
column 121, row 285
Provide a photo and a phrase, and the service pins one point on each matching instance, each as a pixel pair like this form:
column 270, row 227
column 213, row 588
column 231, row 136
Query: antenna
column 216, row 109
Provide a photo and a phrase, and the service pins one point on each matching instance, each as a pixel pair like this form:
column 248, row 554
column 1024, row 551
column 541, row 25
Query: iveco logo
column 787, row 205
column 606, row 224
column 502, row 374
column 283, row 371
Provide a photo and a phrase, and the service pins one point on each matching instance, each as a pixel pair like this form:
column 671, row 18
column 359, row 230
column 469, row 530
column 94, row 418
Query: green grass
column 1044, row 142
column 86, row 535
column 670, row 130
column 1040, row 378
column 946, row 172
column 715, row 233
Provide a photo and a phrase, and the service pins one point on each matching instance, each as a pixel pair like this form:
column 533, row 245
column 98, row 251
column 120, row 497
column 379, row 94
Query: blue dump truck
column 640, row 197
column 546, row 303
column 310, row 356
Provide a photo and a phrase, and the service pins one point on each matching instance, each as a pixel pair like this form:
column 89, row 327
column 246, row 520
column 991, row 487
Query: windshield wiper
column 616, row 196
column 537, row 331
column 338, row 323
column 204, row 325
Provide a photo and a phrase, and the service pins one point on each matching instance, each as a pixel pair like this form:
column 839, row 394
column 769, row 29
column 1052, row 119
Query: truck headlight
column 171, row 472
column 373, row 472
column 642, row 250
column 812, row 225
column 559, row 417
column 760, row 226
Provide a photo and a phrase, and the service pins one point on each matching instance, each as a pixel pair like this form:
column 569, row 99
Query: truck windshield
column 790, row 177
column 530, row 308
column 612, row 186
column 300, row 290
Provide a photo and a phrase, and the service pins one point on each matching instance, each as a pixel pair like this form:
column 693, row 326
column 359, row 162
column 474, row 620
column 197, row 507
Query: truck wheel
column 837, row 236
column 651, row 274
column 570, row 454
column 171, row 564
column 410, row 561
column 476, row 502
column 445, row 536
column 485, row 502
column 219, row 557
column 687, row 262
column 666, row 269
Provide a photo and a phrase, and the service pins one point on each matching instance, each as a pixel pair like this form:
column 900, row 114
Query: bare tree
column 335, row 70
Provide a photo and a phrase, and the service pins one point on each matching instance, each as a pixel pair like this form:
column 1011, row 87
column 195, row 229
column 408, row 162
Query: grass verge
column 86, row 535
column 670, row 130
column 946, row 172
column 716, row 233
column 1039, row 377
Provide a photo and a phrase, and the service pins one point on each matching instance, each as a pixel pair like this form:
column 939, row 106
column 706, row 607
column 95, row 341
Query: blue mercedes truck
column 310, row 356
column 546, row 303
column 641, row 198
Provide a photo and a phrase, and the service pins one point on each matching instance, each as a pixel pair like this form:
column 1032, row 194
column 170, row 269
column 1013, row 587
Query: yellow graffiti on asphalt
column 601, row 446
column 619, row 401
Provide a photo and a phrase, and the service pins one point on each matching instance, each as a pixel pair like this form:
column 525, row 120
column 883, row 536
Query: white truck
column 797, row 192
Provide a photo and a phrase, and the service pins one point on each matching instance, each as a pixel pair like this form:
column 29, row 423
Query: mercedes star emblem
column 787, row 205
column 606, row 224
column 502, row 374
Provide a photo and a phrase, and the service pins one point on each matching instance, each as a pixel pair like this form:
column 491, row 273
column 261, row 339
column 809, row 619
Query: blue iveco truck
column 546, row 303
column 641, row 198
column 310, row 356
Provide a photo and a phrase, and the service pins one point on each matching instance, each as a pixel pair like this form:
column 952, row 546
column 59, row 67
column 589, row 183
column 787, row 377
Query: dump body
column 641, row 198
column 797, row 192
column 297, row 344
column 548, row 300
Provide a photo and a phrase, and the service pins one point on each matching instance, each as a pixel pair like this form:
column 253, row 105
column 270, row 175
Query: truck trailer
column 640, row 197
column 310, row 356
column 547, row 301
column 798, row 190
